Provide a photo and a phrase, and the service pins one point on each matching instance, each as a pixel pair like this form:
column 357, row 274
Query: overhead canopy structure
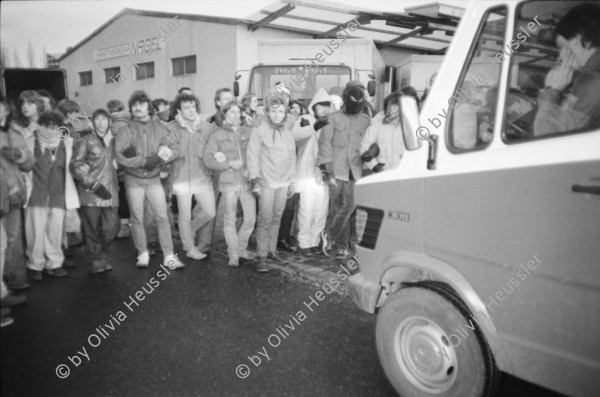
column 427, row 28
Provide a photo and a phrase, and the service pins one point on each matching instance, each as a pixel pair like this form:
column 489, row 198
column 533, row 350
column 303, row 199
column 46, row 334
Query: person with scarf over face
column 94, row 168
column 272, row 167
column 52, row 193
column 389, row 136
column 226, row 152
column 189, row 177
column 339, row 159
column 314, row 193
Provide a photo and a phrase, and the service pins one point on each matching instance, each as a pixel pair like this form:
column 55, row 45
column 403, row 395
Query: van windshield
column 303, row 82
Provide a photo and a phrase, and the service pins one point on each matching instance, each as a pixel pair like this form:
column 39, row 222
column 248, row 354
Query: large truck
column 17, row 80
column 479, row 252
column 306, row 65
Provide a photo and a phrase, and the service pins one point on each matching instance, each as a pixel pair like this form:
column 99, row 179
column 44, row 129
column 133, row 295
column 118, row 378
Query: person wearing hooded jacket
column 314, row 193
column 94, row 169
column 272, row 166
column 339, row 159
column 388, row 136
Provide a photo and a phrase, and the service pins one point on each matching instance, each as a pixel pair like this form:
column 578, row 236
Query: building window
column 144, row 71
column 85, row 78
column 112, row 75
column 184, row 65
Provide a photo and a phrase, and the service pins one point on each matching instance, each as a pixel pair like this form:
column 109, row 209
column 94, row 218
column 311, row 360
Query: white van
column 481, row 252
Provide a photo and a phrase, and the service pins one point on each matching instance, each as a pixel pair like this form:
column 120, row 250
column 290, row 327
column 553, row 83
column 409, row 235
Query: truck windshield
column 303, row 82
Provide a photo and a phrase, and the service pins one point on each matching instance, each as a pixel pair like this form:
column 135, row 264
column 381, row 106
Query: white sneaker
column 172, row 262
column 195, row 254
column 143, row 259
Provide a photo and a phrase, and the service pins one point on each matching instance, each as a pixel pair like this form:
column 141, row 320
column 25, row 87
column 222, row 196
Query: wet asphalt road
column 188, row 333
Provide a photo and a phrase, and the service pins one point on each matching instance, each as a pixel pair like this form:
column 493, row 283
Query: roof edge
column 156, row 14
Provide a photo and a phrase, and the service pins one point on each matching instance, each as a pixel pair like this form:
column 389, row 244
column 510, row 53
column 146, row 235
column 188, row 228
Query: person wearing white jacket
column 390, row 133
column 314, row 193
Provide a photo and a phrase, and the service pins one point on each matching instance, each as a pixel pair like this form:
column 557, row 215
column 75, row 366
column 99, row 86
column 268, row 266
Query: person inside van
column 571, row 98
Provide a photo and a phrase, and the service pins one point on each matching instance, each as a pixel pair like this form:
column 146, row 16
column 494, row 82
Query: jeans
column 99, row 226
column 208, row 230
column 287, row 218
column 237, row 242
column 341, row 206
column 16, row 269
column 270, row 208
column 190, row 221
column 312, row 214
column 137, row 190
column 44, row 230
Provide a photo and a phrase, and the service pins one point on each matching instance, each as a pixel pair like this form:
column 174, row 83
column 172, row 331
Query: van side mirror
column 236, row 89
column 372, row 87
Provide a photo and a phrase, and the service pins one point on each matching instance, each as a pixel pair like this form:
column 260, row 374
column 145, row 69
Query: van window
column 533, row 108
column 472, row 108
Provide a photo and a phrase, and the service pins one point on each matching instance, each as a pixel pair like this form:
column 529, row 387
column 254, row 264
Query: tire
column 430, row 345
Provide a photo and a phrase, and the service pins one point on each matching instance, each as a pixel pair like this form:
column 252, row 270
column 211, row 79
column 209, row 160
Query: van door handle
column 590, row 189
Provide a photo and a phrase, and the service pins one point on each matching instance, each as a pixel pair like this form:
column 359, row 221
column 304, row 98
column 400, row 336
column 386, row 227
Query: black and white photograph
column 300, row 198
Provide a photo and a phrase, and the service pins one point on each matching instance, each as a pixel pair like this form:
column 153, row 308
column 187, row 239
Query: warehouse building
column 161, row 52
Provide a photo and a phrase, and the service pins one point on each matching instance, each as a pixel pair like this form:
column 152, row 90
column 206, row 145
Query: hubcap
column 424, row 355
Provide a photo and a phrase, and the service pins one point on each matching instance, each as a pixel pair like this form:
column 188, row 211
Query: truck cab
column 479, row 253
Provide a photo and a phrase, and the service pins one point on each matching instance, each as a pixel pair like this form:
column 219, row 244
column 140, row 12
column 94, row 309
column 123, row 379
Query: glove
column 129, row 152
column 102, row 192
column 322, row 122
column 256, row 187
column 12, row 154
column 370, row 154
column 378, row 167
column 304, row 122
column 152, row 162
column 291, row 190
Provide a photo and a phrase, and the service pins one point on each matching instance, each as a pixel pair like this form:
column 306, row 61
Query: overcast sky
column 56, row 25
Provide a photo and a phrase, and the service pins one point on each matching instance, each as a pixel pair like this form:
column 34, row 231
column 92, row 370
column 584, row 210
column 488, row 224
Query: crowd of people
column 291, row 169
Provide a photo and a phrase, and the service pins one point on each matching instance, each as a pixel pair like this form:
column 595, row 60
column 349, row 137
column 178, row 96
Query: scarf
column 231, row 126
column 48, row 138
column 189, row 125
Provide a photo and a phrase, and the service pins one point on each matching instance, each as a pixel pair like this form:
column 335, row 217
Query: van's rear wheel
column 429, row 345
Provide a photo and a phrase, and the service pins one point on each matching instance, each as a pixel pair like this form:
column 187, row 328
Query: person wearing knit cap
column 271, row 160
column 52, row 192
column 340, row 162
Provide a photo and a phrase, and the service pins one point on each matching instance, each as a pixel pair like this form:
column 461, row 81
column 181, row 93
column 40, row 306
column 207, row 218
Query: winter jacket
column 393, row 139
column 92, row 163
column 12, row 170
column 272, row 155
column 233, row 145
column 188, row 174
column 147, row 138
column 308, row 175
column 119, row 119
column 71, row 196
column 339, row 144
